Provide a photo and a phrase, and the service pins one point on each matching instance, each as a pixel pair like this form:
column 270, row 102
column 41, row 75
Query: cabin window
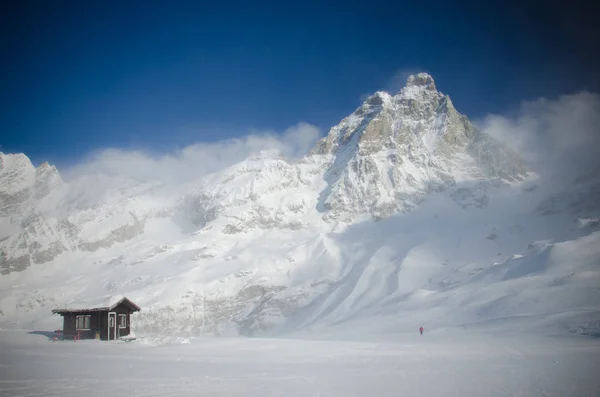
column 122, row 321
column 83, row 323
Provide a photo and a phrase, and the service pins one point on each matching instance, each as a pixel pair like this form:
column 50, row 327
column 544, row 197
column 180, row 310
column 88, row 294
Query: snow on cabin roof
column 94, row 305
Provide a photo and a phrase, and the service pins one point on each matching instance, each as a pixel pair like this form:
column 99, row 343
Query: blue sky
column 83, row 75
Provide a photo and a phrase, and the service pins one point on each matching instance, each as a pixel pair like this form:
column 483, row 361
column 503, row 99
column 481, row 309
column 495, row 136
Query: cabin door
column 112, row 326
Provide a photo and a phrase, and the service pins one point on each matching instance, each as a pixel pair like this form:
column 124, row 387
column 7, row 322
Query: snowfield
column 449, row 363
column 311, row 276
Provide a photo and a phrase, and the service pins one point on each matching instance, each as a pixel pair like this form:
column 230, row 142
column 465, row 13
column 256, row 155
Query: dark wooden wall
column 98, row 323
column 70, row 323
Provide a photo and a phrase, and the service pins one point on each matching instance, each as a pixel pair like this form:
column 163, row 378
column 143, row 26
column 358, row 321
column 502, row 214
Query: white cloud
column 197, row 160
column 559, row 138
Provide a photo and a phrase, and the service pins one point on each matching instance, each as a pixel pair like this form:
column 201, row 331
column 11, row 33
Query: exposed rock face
column 266, row 243
column 17, row 176
column 26, row 235
column 42, row 217
column 385, row 158
column 259, row 240
column 395, row 150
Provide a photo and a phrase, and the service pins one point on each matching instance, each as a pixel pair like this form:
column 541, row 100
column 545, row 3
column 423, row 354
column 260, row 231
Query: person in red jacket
column 421, row 330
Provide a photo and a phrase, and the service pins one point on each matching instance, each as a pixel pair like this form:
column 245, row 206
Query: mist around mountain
column 404, row 214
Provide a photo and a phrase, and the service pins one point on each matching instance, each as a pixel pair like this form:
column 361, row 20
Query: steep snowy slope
column 395, row 150
column 404, row 213
column 26, row 194
column 495, row 267
column 43, row 217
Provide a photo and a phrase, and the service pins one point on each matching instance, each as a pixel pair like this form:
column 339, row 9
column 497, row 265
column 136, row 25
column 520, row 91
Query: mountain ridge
column 418, row 126
column 267, row 244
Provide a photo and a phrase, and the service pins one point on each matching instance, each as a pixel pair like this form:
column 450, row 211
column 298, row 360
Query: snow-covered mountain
column 404, row 212
column 395, row 150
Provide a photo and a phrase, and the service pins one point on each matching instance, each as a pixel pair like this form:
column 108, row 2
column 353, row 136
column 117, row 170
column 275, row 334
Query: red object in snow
column 421, row 330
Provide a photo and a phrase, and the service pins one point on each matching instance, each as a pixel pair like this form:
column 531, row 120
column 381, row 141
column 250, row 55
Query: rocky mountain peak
column 392, row 152
column 47, row 178
column 384, row 158
column 17, row 174
column 420, row 92
column 421, row 80
column 22, row 185
column 14, row 162
column 383, row 121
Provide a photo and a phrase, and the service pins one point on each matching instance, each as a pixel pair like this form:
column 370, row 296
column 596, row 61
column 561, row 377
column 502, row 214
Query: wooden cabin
column 108, row 318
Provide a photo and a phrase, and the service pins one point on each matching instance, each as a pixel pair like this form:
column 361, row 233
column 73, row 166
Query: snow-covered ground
column 449, row 363
column 403, row 215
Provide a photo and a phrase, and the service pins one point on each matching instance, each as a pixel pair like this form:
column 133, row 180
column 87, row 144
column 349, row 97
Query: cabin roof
column 105, row 303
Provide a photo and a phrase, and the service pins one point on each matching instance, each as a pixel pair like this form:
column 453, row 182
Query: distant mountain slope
column 398, row 210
